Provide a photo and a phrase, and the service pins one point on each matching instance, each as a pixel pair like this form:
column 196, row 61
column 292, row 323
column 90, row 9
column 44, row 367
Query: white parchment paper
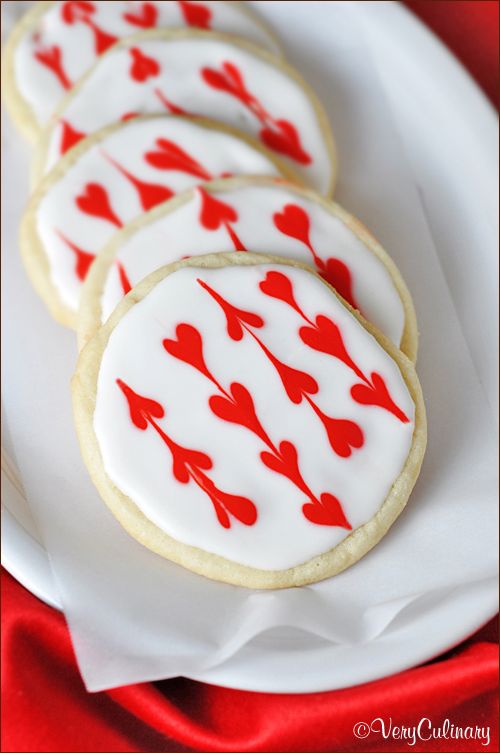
column 135, row 617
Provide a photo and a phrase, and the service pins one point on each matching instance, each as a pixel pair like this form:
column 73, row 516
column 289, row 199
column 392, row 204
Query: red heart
column 286, row 463
column 238, row 410
column 140, row 407
column 242, row 508
column 145, row 18
column 283, row 138
column 183, row 458
column 327, row 512
column 296, row 383
column 339, row 276
column 277, row 285
column 69, row 136
column 325, row 337
column 74, row 10
column 377, row 394
column 214, row 212
column 294, row 222
column 95, row 202
column 172, row 157
column 343, row 435
column 188, row 347
column 143, row 67
column 196, row 14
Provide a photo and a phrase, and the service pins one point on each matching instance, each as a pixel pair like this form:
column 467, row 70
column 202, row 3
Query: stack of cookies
column 245, row 397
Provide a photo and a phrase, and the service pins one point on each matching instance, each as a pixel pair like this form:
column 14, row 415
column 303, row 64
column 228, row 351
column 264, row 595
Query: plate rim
column 415, row 33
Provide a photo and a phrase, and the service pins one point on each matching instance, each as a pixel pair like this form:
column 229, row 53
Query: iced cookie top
column 62, row 40
column 265, row 216
column 198, row 73
column 121, row 172
column 246, row 411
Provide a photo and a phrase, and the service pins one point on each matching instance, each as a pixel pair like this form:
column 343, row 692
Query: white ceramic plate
column 450, row 133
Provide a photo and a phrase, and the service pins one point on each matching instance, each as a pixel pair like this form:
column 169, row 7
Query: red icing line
column 294, row 222
column 83, row 258
column 325, row 336
column 51, row 57
column 150, row 194
column 129, row 116
column 278, row 134
column 95, row 202
column 124, row 281
column 170, row 156
column 69, row 137
column 143, row 67
column 237, row 406
column 196, row 14
column 188, row 464
column 170, row 106
column 216, row 213
column 145, row 18
column 234, row 316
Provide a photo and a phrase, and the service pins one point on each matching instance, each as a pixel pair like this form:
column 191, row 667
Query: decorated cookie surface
column 238, row 418
column 204, row 74
column 111, row 178
column 57, row 42
column 264, row 216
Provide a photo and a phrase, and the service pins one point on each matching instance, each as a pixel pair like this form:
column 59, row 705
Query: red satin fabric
column 45, row 706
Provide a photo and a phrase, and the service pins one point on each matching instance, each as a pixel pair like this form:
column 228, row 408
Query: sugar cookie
column 241, row 420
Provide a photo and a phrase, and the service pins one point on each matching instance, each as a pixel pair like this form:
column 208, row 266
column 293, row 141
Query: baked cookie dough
column 240, row 419
column 265, row 216
column 55, row 43
column 114, row 176
column 200, row 73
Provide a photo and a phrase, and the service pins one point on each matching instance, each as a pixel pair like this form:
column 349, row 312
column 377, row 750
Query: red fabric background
column 45, row 706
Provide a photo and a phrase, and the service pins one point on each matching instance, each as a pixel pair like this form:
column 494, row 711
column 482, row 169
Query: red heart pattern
column 170, row 156
column 187, row 347
column 140, row 407
column 339, row 276
column 94, row 201
column 214, row 212
column 294, row 222
column 144, row 18
column 328, row 512
column 283, row 138
column 143, row 67
column 377, row 394
column 196, row 14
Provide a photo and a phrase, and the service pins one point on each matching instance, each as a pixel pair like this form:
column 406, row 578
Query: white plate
column 450, row 133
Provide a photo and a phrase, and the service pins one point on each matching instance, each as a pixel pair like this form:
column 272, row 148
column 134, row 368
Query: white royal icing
column 139, row 462
column 179, row 69
column 134, row 146
column 71, row 32
column 179, row 233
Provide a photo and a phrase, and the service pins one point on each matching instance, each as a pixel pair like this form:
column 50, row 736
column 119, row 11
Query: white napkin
column 135, row 617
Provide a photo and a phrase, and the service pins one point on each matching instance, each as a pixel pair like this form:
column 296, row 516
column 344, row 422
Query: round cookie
column 110, row 178
column 199, row 73
column 240, row 419
column 262, row 215
column 55, row 43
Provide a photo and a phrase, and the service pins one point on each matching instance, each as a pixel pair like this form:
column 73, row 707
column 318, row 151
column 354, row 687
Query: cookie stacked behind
column 238, row 134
